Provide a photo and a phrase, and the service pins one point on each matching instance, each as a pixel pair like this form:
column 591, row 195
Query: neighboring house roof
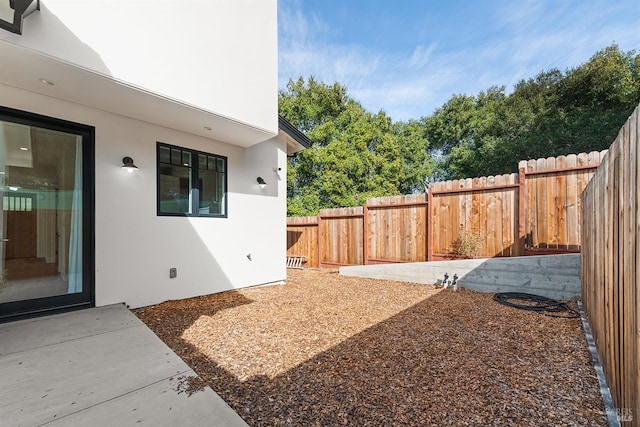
column 296, row 140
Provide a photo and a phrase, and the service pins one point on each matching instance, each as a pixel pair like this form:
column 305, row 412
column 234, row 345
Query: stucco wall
column 219, row 55
column 135, row 248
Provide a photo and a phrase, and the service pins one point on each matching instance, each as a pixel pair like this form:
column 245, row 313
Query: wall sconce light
column 127, row 164
column 261, row 183
column 21, row 9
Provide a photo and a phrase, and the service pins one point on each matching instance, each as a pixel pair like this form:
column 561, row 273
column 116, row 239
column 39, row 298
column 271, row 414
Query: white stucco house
column 183, row 92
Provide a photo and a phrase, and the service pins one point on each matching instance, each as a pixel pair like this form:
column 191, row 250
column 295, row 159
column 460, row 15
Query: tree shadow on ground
column 456, row 358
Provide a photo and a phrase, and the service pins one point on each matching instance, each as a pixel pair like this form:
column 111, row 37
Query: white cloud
column 528, row 37
column 421, row 55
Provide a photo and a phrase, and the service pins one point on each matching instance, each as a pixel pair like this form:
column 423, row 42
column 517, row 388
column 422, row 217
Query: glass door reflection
column 41, row 212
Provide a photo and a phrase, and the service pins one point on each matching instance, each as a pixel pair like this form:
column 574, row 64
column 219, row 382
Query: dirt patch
column 324, row 349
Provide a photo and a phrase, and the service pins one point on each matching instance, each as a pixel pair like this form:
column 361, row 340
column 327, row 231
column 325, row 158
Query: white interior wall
column 135, row 248
column 219, row 55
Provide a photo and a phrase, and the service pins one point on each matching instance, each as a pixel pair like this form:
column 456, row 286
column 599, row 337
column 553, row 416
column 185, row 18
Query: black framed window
column 191, row 183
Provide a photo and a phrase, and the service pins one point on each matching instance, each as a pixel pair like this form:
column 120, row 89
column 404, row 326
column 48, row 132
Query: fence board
column 571, row 229
column 636, row 231
column 494, row 215
column 582, row 179
column 497, row 212
column 634, row 305
column 610, row 256
column 560, row 206
column 628, row 333
column 541, row 238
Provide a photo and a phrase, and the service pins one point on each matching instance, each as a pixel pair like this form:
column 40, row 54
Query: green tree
column 554, row 113
column 464, row 129
column 356, row 154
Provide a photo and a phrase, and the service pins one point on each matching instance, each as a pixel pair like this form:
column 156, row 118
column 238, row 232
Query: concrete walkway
column 98, row 367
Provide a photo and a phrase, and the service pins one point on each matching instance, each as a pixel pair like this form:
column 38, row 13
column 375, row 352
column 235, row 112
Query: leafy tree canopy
column 358, row 154
column 555, row 113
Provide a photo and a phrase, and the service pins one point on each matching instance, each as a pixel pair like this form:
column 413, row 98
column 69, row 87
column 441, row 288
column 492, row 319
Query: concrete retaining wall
column 552, row 276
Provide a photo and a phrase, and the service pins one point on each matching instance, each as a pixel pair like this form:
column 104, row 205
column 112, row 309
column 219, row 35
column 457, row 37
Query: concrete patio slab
column 102, row 367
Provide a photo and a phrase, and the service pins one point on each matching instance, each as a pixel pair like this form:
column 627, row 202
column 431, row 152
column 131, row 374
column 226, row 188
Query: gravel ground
column 328, row 350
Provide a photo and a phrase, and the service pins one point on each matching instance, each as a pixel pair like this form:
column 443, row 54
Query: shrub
column 468, row 244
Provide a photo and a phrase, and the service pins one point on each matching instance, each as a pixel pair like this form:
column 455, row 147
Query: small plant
column 468, row 244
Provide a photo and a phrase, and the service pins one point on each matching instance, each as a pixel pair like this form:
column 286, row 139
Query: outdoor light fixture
column 127, row 164
column 13, row 12
column 261, row 183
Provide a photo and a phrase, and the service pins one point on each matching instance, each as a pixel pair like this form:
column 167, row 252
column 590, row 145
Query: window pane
column 186, row 158
column 175, row 189
column 220, row 192
column 221, row 163
column 202, row 161
column 176, row 156
column 211, row 198
column 212, row 163
column 165, row 155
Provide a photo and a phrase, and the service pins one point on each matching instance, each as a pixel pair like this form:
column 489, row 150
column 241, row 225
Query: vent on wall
column 13, row 12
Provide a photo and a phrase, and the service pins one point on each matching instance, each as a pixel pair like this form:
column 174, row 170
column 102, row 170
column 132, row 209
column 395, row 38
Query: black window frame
column 195, row 186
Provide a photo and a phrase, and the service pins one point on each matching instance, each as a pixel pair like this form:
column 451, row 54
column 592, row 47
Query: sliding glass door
column 46, row 239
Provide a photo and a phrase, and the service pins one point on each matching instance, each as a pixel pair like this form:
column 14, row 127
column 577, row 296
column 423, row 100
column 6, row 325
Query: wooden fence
column 396, row 229
column 535, row 211
column 486, row 207
column 552, row 200
column 610, row 275
column 302, row 238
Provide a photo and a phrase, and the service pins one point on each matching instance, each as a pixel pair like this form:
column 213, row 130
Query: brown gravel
column 328, row 350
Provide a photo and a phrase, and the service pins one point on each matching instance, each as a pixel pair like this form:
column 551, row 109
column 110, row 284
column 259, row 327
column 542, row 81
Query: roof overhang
column 33, row 71
column 296, row 140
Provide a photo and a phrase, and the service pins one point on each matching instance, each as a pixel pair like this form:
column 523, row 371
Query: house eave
column 36, row 72
column 296, row 140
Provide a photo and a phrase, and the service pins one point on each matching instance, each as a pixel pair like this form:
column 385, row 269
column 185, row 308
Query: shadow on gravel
column 452, row 359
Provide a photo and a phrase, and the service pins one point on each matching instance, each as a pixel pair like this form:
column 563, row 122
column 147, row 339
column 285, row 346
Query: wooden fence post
column 429, row 224
column 365, row 232
column 522, row 212
column 320, row 244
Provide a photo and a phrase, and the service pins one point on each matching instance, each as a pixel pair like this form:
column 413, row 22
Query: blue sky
column 408, row 57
